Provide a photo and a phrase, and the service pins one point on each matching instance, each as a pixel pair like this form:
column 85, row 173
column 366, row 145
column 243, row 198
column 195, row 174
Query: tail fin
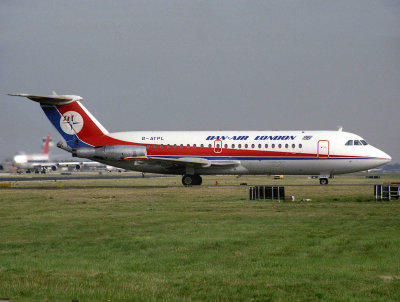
column 75, row 123
column 46, row 147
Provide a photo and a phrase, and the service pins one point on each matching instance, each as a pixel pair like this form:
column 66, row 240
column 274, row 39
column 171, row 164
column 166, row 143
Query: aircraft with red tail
column 36, row 161
column 195, row 153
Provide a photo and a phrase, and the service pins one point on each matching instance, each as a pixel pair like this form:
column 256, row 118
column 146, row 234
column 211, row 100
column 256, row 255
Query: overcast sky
column 204, row 65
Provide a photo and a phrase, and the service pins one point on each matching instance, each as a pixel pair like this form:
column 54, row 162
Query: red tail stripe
column 46, row 145
column 89, row 127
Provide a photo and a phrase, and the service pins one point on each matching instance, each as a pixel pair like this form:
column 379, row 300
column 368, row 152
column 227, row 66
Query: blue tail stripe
column 54, row 117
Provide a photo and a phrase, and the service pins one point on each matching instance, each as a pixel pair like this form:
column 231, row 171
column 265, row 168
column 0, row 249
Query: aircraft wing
column 188, row 161
column 43, row 165
column 182, row 161
column 81, row 164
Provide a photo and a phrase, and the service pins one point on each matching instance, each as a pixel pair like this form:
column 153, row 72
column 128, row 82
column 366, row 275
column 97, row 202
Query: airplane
column 35, row 162
column 195, row 153
column 40, row 162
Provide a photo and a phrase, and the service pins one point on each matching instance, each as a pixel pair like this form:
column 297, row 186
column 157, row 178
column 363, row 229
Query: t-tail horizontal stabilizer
column 73, row 121
column 50, row 100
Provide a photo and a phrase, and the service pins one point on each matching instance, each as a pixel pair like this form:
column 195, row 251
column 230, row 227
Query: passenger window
column 233, row 146
column 273, row 146
column 286, row 146
column 201, row 146
column 300, row 146
column 188, row 146
column 259, row 146
column 181, row 146
column 280, row 146
column 239, row 146
column 161, row 146
column 266, row 146
column 148, row 146
column 226, row 146
column 209, row 145
column 357, row 143
column 349, row 143
column 194, row 146
column 253, row 146
column 168, row 146
column 217, row 146
column 174, row 146
column 245, row 146
column 293, row 146
column 155, row 146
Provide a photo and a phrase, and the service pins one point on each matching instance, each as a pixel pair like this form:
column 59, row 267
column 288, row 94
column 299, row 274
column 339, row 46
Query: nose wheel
column 323, row 181
column 192, row 180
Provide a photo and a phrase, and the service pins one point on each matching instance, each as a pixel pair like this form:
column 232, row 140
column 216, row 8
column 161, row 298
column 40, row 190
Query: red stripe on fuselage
column 198, row 152
column 104, row 140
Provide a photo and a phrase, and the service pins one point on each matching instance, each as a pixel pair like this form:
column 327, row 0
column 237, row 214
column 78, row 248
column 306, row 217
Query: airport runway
column 55, row 178
column 66, row 186
column 68, row 177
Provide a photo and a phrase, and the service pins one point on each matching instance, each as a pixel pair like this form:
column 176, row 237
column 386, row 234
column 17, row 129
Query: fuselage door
column 323, row 149
column 217, row 146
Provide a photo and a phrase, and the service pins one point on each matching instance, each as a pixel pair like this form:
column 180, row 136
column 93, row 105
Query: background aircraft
column 41, row 162
column 37, row 161
column 196, row 153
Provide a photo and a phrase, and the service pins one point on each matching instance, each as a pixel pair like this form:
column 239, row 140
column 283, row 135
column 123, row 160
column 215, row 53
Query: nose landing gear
column 191, row 180
column 323, row 181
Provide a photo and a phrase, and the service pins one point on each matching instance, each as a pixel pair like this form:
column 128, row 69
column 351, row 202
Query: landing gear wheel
column 198, row 180
column 191, row 180
column 323, row 181
column 188, row 180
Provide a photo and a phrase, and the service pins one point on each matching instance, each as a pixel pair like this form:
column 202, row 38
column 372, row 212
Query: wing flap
column 225, row 163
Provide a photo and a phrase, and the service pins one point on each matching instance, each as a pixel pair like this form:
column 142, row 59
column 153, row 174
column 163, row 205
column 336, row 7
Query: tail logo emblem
column 71, row 122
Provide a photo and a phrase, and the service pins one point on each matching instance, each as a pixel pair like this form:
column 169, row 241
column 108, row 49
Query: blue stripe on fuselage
column 256, row 158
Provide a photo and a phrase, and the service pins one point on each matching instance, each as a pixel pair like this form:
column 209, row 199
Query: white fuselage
column 30, row 161
column 257, row 152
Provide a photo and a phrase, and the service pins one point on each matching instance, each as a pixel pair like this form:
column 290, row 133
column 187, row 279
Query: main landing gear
column 191, row 180
column 323, row 181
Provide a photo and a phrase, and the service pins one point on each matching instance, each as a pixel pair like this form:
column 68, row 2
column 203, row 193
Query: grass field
column 198, row 244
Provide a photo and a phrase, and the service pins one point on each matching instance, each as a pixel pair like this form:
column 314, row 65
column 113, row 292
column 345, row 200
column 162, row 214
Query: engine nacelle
column 112, row 152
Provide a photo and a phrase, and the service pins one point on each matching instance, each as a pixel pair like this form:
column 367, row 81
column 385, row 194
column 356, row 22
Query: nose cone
column 382, row 157
column 385, row 156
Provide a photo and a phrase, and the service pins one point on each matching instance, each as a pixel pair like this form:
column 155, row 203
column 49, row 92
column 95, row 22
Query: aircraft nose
column 388, row 159
column 383, row 157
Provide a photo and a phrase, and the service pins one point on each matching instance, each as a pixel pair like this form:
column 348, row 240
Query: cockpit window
column 356, row 143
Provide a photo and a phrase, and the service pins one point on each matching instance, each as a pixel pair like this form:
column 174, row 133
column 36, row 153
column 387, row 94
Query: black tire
column 188, row 180
column 192, row 180
column 323, row 181
column 198, row 180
